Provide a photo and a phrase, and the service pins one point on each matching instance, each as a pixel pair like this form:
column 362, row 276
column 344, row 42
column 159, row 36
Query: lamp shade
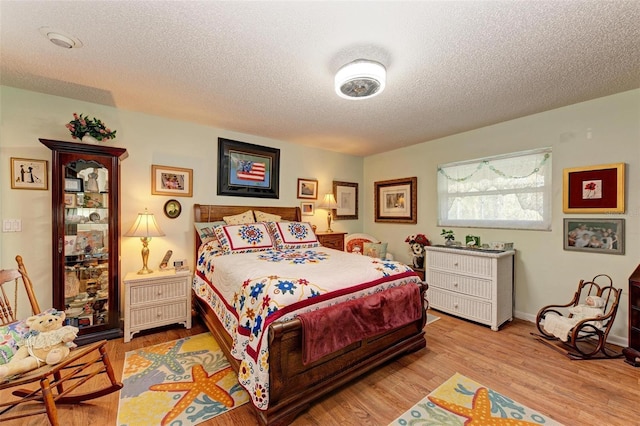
column 145, row 226
column 360, row 79
column 328, row 202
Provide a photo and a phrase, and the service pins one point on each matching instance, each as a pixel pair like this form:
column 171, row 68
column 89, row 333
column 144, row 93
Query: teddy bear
column 416, row 245
column 47, row 342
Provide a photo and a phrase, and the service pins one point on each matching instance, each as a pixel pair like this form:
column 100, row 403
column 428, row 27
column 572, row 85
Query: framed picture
column 594, row 189
column 307, row 208
column 29, row 174
column 396, row 201
column 73, row 185
column 594, row 235
column 172, row 209
column 69, row 200
column 308, row 188
column 92, row 200
column 248, row 170
column 346, row 194
column 174, row 181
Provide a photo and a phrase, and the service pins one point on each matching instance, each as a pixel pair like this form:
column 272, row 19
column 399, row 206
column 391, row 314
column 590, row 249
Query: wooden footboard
column 294, row 386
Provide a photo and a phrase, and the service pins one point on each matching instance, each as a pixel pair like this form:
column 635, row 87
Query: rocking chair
column 586, row 335
column 56, row 383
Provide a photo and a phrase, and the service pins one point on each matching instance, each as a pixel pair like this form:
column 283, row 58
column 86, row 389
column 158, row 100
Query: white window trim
column 534, row 177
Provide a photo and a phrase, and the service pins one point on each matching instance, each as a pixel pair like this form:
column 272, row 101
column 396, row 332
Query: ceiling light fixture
column 59, row 39
column 360, row 79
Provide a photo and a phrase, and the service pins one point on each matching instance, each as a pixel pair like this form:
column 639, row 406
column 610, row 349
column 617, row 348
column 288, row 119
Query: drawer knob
column 160, row 293
column 159, row 314
column 455, row 305
column 455, row 284
column 455, row 264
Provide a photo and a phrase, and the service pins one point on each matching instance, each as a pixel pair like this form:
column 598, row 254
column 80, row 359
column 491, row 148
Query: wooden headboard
column 214, row 213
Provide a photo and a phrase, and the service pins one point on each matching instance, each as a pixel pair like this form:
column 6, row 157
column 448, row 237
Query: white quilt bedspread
column 250, row 291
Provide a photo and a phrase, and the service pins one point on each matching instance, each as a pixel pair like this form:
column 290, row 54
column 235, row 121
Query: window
column 509, row 191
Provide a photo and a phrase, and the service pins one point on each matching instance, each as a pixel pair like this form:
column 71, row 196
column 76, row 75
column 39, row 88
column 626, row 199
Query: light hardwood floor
column 511, row 361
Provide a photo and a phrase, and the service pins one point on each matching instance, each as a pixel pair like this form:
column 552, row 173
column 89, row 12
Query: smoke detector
column 360, row 79
column 60, row 39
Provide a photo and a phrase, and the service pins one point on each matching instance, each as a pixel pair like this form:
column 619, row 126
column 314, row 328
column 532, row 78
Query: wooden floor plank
column 510, row 361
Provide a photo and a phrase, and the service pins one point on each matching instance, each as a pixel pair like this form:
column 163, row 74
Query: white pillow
column 266, row 217
column 246, row 238
column 293, row 235
column 239, row 219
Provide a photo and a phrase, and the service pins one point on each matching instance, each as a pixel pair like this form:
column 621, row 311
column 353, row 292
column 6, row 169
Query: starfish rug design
column 185, row 382
column 461, row 401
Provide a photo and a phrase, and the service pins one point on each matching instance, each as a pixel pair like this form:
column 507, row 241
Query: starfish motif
column 480, row 412
column 170, row 357
column 202, row 383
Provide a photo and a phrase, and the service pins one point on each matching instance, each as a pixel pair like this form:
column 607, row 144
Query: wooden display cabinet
column 632, row 353
column 85, row 188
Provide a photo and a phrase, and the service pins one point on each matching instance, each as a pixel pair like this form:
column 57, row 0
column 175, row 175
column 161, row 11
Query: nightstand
column 334, row 240
column 156, row 299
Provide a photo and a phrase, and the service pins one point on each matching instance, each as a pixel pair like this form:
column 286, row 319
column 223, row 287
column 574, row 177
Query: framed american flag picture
column 248, row 170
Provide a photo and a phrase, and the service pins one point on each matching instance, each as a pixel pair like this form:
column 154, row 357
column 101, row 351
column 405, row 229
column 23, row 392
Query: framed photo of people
column 603, row 235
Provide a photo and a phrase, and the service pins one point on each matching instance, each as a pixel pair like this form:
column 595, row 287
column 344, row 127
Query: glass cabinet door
column 86, row 243
column 86, row 229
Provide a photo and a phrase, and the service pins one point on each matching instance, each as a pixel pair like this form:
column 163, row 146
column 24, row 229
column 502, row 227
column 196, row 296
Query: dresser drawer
column 160, row 314
column 145, row 293
column 462, row 264
column 464, row 284
column 457, row 304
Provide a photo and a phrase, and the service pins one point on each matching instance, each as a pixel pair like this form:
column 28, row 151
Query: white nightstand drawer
column 160, row 314
column 157, row 292
column 457, row 304
column 461, row 284
column 462, row 264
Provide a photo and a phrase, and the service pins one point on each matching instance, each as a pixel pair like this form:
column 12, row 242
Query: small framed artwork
column 172, row 209
column 174, row 181
column 308, row 188
column 92, row 200
column 69, row 200
column 396, row 201
column 307, row 208
column 594, row 235
column 594, row 189
column 346, row 194
column 248, row 170
column 29, row 174
column 73, row 185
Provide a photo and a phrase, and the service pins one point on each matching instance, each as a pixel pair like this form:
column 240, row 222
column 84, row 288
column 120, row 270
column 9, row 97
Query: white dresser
column 156, row 299
column 472, row 284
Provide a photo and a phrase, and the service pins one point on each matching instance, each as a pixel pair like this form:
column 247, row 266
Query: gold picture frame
column 594, row 189
column 176, row 181
column 28, row 173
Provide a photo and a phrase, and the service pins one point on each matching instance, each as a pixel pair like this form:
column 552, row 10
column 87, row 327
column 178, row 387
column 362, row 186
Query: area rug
column 461, row 401
column 431, row 318
column 183, row 382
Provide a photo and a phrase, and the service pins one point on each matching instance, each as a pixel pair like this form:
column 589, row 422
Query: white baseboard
column 616, row 340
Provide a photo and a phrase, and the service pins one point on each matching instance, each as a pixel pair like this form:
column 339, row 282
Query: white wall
column 545, row 273
column 27, row 116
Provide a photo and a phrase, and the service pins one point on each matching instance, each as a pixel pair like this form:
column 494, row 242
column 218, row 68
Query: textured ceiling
column 267, row 68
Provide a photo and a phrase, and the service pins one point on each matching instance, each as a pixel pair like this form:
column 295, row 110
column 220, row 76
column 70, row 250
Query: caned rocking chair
column 586, row 335
column 87, row 366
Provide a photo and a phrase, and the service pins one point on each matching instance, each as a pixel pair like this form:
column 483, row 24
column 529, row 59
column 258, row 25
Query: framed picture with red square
column 594, row 189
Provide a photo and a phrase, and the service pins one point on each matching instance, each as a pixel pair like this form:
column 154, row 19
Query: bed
column 294, row 380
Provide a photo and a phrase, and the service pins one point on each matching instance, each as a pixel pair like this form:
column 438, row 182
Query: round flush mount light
column 360, row 79
column 60, row 39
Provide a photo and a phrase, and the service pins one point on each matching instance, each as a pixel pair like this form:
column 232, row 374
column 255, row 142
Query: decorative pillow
column 12, row 334
column 240, row 219
column 205, row 229
column 266, row 217
column 378, row 250
column 357, row 240
column 246, row 238
column 293, row 235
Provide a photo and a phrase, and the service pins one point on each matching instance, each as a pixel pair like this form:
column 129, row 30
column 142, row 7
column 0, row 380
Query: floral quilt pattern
column 277, row 286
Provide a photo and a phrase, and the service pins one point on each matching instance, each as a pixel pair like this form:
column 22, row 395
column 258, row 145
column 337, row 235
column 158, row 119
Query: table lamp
column 145, row 227
column 329, row 203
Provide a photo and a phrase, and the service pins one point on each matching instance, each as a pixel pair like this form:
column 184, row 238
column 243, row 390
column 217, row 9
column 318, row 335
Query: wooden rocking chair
column 587, row 337
column 56, row 383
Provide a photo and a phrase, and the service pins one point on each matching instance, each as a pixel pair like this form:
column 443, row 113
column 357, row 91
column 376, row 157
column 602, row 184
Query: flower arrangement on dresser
column 82, row 127
column 417, row 243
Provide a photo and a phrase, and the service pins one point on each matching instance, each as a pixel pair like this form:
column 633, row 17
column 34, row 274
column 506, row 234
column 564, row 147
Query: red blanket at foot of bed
column 330, row 329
